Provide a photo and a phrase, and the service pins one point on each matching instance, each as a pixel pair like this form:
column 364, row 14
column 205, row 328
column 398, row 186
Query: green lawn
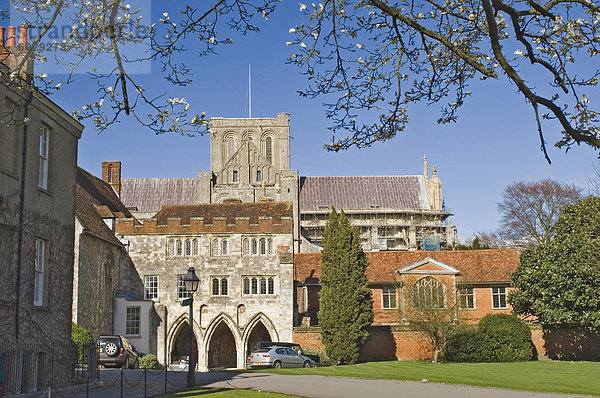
column 546, row 376
column 226, row 392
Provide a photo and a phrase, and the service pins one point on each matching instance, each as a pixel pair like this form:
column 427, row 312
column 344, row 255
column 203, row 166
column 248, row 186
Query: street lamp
column 190, row 282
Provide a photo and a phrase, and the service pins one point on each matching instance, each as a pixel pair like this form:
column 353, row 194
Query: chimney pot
column 2, row 30
column 23, row 35
column 10, row 38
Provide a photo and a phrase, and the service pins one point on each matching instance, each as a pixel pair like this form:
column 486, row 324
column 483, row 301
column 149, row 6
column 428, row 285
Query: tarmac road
column 304, row 386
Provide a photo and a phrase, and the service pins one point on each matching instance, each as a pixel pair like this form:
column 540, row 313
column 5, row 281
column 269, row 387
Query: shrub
column 83, row 338
column 465, row 346
column 324, row 360
column 148, row 361
column 506, row 338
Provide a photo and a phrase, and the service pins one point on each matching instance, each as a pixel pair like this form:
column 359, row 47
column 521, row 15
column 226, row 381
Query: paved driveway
column 305, row 386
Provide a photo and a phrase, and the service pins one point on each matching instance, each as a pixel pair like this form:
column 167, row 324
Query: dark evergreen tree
column 346, row 305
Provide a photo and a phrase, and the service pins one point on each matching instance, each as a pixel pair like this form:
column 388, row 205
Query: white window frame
column 466, row 293
column 133, row 325
column 43, row 157
column 389, row 292
column 150, row 291
column 182, row 294
column 496, row 292
column 40, row 268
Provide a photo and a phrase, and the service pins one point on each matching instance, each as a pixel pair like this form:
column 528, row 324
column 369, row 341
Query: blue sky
column 493, row 143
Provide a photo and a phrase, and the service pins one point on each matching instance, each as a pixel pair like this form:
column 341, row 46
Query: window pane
column 171, row 251
column 151, row 287
column 246, row 286
column 40, row 259
column 43, row 163
column 215, row 287
column 224, row 247
column 235, row 176
column 181, row 292
column 270, row 246
column 224, row 287
column 254, row 247
column 263, row 246
column 215, row 248
column 263, row 286
column 179, row 249
column 188, row 247
column 269, row 149
column 254, row 286
column 258, row 176
column 246, row 246
column 132, row 321
column 195, row 247
column 230, row 147
column 271, row 286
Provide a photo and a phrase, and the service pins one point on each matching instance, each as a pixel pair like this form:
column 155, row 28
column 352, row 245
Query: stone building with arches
column 242, row 254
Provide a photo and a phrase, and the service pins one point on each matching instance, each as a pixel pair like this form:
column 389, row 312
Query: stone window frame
column 151, row 285
column 258, row 285
column 178, row 246
column 257, row 246
column 182, row 294
column 235, row 176
column 466, row 298
column 391, row 294
column 219, row 286
column 220, row 247
column 499, row 297
column 133, row 321
column 39, row 287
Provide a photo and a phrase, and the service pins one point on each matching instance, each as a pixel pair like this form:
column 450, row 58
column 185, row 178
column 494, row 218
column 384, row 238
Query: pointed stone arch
column 222, row 345
column 178, row 339
column 253, row 327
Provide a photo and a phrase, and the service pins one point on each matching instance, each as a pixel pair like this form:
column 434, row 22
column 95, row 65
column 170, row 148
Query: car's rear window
column 267, row 349
column 104, row 340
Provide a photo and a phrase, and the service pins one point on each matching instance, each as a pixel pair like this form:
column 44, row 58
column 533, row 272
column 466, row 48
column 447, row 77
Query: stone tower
column 250, row 162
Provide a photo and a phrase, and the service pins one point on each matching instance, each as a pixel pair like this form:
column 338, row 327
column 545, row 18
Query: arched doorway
column 222, row 352
column 180, row 346
column 259, row 333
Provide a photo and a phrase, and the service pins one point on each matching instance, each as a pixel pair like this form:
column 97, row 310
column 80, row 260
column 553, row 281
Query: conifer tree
column 346, row 305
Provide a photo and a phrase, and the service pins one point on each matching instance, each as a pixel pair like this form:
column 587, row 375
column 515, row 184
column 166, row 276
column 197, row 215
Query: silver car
column 277, row 357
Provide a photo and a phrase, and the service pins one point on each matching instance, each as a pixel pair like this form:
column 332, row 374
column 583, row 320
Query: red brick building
column 475, row 282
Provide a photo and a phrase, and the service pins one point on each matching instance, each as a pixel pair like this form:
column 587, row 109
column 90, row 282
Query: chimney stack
column 2, row 30
column 12, row 36
column 111, row 174
column 11, row 54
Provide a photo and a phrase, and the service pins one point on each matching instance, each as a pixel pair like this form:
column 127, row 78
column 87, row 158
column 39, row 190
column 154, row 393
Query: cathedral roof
column 474, row 266
column 364, row 192
column 150, row 194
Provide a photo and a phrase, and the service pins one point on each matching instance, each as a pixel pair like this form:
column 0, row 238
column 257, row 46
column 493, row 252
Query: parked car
column 316, row 360
column 116, row 351
column 277, row 357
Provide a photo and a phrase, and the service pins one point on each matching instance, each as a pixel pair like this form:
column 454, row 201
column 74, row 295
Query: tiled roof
column 386, row 192
column 150, row 194
column 95, row 200
column 253, row 211
column 474, row 265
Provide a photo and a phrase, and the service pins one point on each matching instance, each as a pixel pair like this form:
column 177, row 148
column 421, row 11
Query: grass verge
column 544, row 376
column 226, row 392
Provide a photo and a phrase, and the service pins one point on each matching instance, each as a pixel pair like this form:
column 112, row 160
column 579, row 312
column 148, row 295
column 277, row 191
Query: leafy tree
column 362, row 55
column 345, row 302
column 530, row 209
column 83, row 338
column 559, row 282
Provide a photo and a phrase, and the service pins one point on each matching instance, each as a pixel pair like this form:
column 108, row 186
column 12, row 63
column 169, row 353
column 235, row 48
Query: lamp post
column 191, row 281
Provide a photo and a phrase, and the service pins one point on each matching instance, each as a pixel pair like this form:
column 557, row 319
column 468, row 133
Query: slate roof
column 95, row 200
column 475, row 266
column 364, row 192
column 253, row 211
column 150, row 194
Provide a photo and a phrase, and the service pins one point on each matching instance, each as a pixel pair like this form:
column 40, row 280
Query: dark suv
column 116, row 351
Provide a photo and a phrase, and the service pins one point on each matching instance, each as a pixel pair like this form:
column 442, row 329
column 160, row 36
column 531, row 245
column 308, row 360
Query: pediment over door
column 428, row 266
